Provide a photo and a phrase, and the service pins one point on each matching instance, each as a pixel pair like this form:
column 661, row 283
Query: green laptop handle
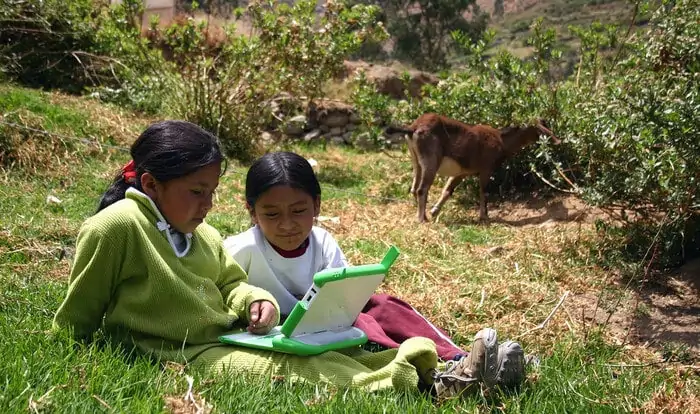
column 329, row 275
column 294, row 316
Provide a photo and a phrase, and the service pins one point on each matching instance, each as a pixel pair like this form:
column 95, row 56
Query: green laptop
column 322, row 320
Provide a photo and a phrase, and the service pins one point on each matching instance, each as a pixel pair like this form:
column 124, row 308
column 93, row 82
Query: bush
column 219, row 80
column 43, row 43
column 637, row 131
column 229, row 91
column 79, row 46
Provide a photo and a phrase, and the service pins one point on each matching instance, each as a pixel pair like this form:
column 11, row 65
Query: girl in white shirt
column 284, row 250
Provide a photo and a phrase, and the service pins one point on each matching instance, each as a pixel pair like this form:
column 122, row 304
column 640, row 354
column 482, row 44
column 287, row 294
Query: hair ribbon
column 129, row 172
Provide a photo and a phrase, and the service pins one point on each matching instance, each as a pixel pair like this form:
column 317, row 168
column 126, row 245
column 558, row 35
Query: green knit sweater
column 128, row 279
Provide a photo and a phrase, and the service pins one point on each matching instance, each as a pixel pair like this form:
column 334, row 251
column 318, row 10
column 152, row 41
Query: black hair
column 167, row 150
column 280, row 168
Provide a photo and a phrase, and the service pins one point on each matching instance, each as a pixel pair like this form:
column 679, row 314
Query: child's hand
column 262, row 315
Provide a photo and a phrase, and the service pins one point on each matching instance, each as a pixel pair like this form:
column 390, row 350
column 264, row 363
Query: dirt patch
column 596, row 309
column 546, row 212
column 665, row 312
column 662, row 315
column 672, row 312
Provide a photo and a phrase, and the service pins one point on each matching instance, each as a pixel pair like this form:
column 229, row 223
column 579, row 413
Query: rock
column 292, row 129
column 312, row 135
column 354, row 118
column 295, row 125
column 350, row 127
column 324, row 128
column 330, row 112
column 67, row 253
column 395, row 138
column 364, row 141
column 496, row 250
column 335, row 119
column 336, row 140
column 347, row 136
column 268, row 138
column 299, row 119
column 336, row 131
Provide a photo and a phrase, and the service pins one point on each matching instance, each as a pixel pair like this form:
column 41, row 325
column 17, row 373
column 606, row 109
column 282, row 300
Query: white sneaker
column 480, row 366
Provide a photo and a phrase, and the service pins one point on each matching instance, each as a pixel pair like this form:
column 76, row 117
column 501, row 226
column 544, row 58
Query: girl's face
column 285, row 215
column 184, row 201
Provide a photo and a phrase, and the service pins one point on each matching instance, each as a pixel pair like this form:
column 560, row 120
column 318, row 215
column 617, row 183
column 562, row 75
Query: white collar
column 161, row 224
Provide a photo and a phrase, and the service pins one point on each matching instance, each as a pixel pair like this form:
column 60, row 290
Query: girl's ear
column 317, row 206
column 149, row 184
column 251, row 211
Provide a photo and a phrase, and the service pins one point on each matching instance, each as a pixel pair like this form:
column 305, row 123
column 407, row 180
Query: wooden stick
column 552, row 185
column 574, row 186
column 483, row 298
column 547, row 319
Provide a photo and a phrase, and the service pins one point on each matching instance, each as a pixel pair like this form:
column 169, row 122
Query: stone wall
column 329, row 121
column 387, row 79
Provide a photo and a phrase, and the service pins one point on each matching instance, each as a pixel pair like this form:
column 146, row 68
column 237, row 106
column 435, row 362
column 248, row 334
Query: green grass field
column 461, row 275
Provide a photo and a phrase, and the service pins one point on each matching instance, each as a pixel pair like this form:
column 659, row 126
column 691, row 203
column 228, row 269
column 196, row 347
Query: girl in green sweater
column 152, row 275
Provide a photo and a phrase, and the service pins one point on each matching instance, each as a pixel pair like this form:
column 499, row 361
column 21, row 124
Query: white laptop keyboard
column 323, row 338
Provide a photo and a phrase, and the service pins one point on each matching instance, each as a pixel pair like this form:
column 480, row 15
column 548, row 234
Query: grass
column 461, row 275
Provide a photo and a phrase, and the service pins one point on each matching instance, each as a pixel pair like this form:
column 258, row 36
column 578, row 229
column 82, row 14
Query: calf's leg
column 484, row 178
column 429, row 166
column 447, row 192
column 416, row 170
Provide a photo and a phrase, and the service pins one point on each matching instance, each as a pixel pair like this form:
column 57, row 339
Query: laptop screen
column 336, row 305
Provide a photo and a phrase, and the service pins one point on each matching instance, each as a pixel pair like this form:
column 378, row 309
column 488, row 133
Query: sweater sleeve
column 237, row 293
column 93, row 278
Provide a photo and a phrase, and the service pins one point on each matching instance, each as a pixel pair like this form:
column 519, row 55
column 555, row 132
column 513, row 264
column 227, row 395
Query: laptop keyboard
column 327, row 337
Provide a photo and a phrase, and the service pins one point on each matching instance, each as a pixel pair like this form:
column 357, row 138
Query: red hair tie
column 129, row 172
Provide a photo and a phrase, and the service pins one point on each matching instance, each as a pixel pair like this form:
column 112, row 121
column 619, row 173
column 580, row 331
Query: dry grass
column 113, row 122
column 676, row 398
column 521, row 281
column 45, row 133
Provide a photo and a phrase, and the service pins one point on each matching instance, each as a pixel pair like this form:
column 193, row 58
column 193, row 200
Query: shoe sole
column 514, row 373
column 490, row 340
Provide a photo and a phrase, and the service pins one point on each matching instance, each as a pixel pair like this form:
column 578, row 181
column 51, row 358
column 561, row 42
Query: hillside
column 512, row 26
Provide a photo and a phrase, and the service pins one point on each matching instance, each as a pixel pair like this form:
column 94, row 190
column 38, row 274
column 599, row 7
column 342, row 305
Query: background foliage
column 628, row 112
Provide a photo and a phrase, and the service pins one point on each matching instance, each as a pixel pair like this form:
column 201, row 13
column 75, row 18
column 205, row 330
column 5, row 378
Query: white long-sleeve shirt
column 285, row 278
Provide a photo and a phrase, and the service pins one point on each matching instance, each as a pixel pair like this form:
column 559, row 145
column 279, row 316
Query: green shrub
column 293, row 52
column 44, row 43
column 80, row 46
